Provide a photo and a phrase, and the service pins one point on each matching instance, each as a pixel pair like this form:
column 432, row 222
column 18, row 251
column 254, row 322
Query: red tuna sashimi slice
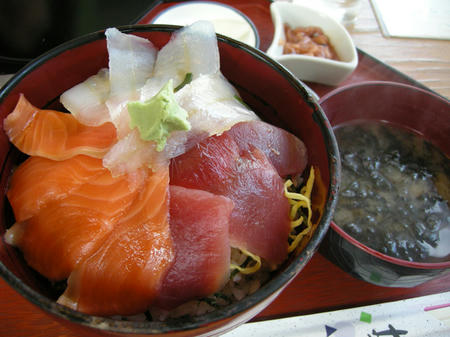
column 285, row 151
column 66, row 231
column 260, row 219
column 124, row 275
column 55, row 135
column 38, row 181
column 213, row 158
column 199, row 225
column 260, row 222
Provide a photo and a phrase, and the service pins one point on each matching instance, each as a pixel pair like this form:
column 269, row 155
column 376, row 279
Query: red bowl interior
column 402, row 105
column 265, row 86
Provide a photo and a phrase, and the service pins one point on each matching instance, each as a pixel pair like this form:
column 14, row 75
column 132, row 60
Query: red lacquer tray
column 321, row 286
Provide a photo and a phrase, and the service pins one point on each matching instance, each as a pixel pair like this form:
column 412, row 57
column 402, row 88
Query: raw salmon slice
column 67, row 230
column 39, row 180
column 199, row 224
column 259, row 220
column 124, row 275
column 55, row 135
column 285, row 151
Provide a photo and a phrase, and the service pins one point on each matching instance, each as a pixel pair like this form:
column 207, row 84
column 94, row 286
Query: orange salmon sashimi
column 67, row 230
column 124, row 275
column 39, row 180
column 55, row 135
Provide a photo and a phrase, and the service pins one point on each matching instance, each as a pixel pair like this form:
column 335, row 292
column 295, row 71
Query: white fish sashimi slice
column 192, row 49
column 213, row 105
column 131, row 153
column 152, row 87
column 180, row 142
column 86, row 100
column 118, row 111
column 131, row 62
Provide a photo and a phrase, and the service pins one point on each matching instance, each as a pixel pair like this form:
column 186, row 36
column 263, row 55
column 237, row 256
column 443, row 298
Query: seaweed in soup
column 394, row 194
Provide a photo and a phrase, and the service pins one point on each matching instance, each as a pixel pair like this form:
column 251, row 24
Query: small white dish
column 226, row 19
column 312, row 68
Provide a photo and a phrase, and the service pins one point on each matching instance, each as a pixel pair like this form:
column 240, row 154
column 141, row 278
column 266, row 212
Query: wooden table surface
column 425, row 60
column 321, row 286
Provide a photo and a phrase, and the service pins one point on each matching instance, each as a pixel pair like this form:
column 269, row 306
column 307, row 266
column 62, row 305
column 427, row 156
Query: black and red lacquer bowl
column 265, row 86
column 405, row 106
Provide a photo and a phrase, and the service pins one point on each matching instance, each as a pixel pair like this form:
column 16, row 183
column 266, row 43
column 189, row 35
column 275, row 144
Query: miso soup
column 394, row 192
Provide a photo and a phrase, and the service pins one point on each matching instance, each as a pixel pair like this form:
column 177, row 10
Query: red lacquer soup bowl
column 272, row 92
column 406, row 107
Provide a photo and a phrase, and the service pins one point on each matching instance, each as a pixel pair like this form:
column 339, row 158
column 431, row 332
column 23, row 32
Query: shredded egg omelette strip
column 297, row 201
column 252, row 267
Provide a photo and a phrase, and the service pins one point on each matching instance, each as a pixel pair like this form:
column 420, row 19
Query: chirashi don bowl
column 265, row 86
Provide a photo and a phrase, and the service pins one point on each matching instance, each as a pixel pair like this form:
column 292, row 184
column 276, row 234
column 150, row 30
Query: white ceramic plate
column 226, row 19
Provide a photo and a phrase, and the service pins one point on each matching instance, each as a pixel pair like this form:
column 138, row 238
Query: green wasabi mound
column 159, row 116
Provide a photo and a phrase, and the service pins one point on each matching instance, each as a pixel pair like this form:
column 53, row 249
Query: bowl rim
column 268, row 290
column 413, row 87
column 337, row 228
column 387, row 258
